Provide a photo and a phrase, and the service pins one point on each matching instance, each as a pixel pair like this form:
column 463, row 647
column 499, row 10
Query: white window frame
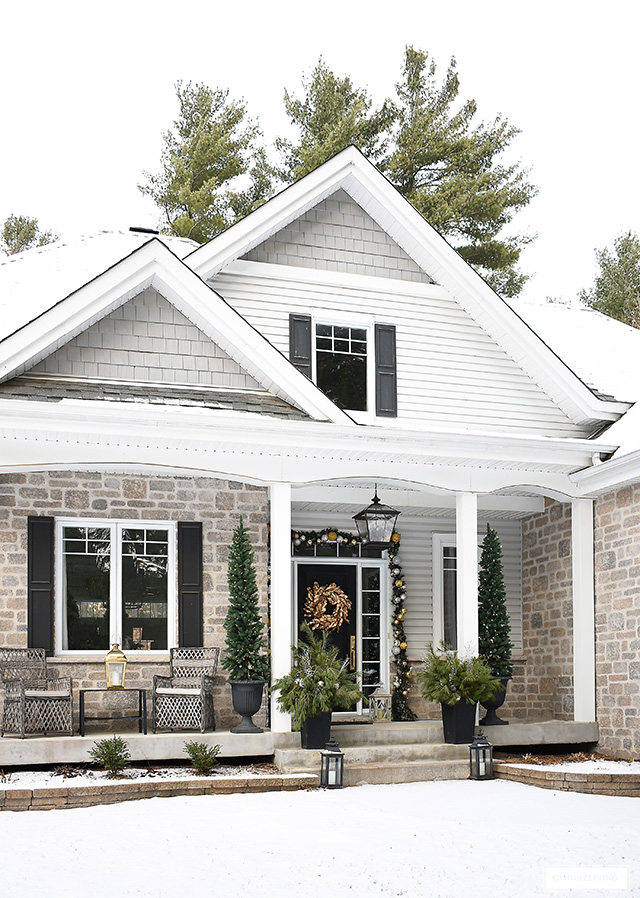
column 363, row 322
column 439, row 541
column 115, row 581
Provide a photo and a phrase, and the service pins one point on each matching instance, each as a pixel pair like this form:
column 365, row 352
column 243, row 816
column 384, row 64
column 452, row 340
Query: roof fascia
column 154, row 265
column 609, row 475
column 351, row 171
column 302, row 436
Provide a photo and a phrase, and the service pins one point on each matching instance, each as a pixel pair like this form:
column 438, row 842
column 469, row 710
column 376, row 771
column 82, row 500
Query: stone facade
column 617, row 581
column 217, row 504
column 542, row 686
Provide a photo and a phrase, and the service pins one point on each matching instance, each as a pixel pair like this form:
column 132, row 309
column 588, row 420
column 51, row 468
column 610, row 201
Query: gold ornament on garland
column 315, row 607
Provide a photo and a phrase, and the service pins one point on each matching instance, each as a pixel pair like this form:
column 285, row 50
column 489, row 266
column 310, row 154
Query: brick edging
column 114, row 792
column 621, row 784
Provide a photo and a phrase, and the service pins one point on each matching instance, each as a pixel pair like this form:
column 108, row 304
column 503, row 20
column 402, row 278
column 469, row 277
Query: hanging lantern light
column 116, row 665
column 480, row 758
column 376, row 523
column 331, row 766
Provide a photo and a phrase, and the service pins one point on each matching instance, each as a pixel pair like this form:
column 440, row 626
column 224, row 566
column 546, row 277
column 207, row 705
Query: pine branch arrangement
column 494, row 627
column 245, row 648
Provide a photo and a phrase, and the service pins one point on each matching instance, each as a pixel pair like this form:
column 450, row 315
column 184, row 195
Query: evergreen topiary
column 494, row 627
column 245, row 646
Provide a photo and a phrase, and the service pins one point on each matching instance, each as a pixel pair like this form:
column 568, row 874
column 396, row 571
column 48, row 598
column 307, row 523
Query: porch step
column 381, row 753
column 414, row 772
column 299, row 760
column 405, row 733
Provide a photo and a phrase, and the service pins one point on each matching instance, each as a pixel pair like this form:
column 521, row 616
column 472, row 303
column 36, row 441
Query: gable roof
column 34, row 280
column 353, row 173
column 50, row 323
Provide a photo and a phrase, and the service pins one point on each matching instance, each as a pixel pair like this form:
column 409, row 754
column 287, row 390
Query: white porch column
column 281, row 601
column 584, row 648
column 467, row 572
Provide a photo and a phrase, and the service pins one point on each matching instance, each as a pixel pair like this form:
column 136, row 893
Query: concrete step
column 298, row 760
column 413, row 772
column 418, row 731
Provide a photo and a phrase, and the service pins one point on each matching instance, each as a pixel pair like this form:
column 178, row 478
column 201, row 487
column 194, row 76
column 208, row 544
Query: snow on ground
column 440, row 839
column 48, row 779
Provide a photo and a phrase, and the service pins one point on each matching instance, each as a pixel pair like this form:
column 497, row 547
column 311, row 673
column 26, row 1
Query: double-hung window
column 116, row 583
column 351, row 358
column 341, row 365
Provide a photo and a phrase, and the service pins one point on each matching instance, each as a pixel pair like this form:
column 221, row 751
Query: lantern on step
column 116, row 665
column 331, row 766
column 376, row 523
column 480, row 758
column 379, row 705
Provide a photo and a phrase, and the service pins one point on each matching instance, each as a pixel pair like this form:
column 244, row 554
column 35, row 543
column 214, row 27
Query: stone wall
column 617, row 580
column 542, row 686
column 217, row 504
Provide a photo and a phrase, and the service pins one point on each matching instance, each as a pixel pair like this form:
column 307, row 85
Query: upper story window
column 341, row 365
column 117, row 583
column 353, row 363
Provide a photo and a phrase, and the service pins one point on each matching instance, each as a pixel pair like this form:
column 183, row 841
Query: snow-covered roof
column 36, row 279
column 603, row 352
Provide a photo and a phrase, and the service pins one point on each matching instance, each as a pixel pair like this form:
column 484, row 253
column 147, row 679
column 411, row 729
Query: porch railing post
column 467, row 572
column 281, row 595
column 584, row 674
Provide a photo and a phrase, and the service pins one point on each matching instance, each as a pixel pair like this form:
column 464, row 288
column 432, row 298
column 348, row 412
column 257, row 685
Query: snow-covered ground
column 441, row 839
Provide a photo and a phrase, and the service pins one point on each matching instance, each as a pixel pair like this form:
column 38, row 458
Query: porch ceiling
column 350, row 497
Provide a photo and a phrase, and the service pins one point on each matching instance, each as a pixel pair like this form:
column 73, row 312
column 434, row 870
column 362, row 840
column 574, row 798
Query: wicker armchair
column 184, row 699
column 35, row 701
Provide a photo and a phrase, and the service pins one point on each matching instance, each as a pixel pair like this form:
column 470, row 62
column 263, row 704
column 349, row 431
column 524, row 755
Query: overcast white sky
column 88, row 90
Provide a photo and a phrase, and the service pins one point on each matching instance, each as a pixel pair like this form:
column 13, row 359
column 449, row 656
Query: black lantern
column 480, row 758
column 376, row 523
column 331, row 766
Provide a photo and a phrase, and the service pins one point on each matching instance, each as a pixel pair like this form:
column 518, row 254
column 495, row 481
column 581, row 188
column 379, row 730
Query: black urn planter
column 246, row 696
column 458, row 722
column 316, row 731
column 491, row 705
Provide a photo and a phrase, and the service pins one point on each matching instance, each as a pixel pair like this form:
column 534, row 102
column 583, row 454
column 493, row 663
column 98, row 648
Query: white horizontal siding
column 450, row 372
column 416, row 559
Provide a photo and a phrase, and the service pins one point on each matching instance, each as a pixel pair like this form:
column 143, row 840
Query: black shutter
column 40, row 535
column 190, row 616
column 386, row 376
column 300, row 343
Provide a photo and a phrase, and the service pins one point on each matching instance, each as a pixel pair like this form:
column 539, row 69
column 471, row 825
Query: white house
column 152, row 392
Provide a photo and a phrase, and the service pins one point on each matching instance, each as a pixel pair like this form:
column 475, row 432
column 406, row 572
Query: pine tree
column 494, row 627
column 20, row 232
column 214, row 170
column 447, row 164
column 616, row 291
column 244, row 657
column 331, row 115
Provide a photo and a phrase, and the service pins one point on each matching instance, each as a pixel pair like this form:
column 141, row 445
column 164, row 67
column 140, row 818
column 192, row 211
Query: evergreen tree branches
column 494, row 627
column 213, row 168
column 616, row 291
column 20, row 232
column 244, row 657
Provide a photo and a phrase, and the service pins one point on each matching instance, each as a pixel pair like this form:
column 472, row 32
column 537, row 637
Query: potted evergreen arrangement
column 245, row 649
column 458, row 684
column 317, row 682
column 494, row 627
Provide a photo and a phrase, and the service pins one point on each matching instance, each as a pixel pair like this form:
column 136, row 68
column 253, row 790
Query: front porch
column 374, row 753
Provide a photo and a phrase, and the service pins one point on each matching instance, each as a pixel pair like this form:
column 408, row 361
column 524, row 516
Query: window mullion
column 115, row 603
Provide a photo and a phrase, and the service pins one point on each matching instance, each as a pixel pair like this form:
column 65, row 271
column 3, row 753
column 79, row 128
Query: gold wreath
column 315, row 607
